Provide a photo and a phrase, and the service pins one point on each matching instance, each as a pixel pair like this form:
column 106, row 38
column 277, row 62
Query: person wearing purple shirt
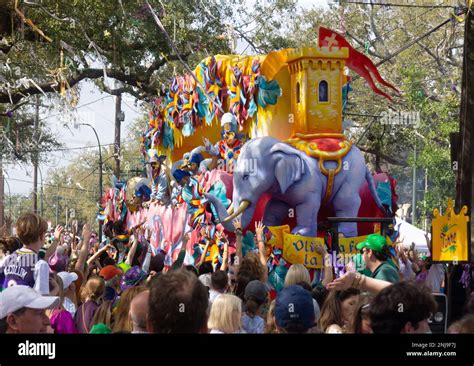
column 91, row 295
column 19, row 267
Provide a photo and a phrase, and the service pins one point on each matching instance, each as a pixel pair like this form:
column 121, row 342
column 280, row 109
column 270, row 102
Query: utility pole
column 2, row 195
column 35, row 160
column 119, row 118
column 465, row 153
column 413, row 195
column 57, row 206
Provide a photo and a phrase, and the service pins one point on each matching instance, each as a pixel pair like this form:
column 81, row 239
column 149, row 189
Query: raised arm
column 225, row 256
column 238, row 245
column 259, row 227
column 98, row 253
column 54, row 245
column 82, row 258
column 133, row 248
column 328, row 274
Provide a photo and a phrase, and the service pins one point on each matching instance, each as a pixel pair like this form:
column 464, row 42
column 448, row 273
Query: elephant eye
column 246, row 177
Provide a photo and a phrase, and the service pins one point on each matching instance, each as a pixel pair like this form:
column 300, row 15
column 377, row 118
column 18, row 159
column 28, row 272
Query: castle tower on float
column 317, row 78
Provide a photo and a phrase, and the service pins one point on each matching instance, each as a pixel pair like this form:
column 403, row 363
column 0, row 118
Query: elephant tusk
column 243, row 206
column 230, row 210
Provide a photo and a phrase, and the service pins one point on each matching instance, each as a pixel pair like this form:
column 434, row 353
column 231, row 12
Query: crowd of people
column 66, row 283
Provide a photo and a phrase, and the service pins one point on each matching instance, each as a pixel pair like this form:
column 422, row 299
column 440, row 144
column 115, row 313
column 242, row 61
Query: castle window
column 323, row 91
column 298, row 93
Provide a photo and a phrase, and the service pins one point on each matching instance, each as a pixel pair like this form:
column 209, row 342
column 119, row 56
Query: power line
column 396, row 5
column 51, row 185
column 84, row 105
column 72, row 148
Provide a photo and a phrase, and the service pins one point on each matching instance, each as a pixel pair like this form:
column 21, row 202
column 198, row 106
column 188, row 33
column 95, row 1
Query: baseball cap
column 68, row 278
column 294, row 304
column 256, row 289
column 376, row 242
column 109, row 272
column 16, row 297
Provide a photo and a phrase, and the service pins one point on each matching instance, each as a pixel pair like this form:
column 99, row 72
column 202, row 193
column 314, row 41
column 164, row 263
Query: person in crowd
column 338, row 311
column 294, row 310
column 7, row 246
column 19, row 267
column 41, row 273
column 139, row 312
column 256, row 295
column 297, row 273
column 62, row 321
column 361, row 321
column 403, row 307
column 463, row 326
column 112, row 276
column 22, row 310
column 225, row 315
column 91, row 296
column 270, row 326
column 376, row 253
column 134, row 277
column 404, row 263
column 121, row 315
column 178, row 304
column 431, row 274
column 219, row 285
column 69, row 285
column 243, row 278
column 104, row 315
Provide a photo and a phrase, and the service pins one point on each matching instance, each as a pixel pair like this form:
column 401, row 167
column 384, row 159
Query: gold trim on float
column 306, row 144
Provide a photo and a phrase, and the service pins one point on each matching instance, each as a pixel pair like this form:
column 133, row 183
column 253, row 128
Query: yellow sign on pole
column 449, row 235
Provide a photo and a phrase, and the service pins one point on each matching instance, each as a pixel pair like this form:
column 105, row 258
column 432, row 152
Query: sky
column 98, row 109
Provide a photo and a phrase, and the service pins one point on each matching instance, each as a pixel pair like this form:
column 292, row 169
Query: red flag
column 357, row 61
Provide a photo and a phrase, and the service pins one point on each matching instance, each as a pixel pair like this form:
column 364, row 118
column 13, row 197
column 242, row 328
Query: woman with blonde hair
column 103, row 314
column 91, row 296
column 226, row 313
column 297, row 273
column 271, row 327
column 121, row 319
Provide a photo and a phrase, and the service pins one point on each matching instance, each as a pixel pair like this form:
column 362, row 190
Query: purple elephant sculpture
column 296, row 185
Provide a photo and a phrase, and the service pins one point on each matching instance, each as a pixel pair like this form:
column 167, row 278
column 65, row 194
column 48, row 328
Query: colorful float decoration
column 275, row 117
column 449, row 232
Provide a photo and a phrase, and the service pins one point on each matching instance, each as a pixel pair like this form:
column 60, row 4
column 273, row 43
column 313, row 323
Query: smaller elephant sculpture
column 294, row 181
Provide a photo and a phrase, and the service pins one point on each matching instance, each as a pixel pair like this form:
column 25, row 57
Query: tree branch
column 388, row 159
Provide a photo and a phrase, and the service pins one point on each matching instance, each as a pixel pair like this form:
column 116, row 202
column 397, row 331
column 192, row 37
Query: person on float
column 160, row 179
column 228, row 148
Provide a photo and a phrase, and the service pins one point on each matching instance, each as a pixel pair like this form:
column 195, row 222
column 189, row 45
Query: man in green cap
column 376, row 253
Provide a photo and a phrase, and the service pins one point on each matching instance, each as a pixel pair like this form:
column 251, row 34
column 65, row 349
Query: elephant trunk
column 243, row 206
column 221, row 211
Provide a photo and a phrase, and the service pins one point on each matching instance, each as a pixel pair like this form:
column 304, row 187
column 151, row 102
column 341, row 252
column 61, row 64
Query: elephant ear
column 290, row 165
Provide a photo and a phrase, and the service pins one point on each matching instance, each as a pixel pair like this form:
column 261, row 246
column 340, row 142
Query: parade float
column 256, row 138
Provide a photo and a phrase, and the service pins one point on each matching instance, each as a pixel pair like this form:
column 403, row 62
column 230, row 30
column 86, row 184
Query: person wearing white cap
column 228, row 148
column 22, row 310
column 69, row 285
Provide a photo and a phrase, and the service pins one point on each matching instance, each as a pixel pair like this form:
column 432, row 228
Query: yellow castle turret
column 317, row 77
